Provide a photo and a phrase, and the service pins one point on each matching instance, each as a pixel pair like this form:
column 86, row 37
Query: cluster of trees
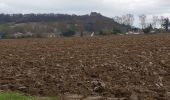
column 69, row 31
column 165, row 24
column 24, row 18
column 161, row 23
column 39, row 29
column 127, row 19
column 156, row 22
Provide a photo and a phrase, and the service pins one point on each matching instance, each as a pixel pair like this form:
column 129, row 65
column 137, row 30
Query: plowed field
column 128, row 67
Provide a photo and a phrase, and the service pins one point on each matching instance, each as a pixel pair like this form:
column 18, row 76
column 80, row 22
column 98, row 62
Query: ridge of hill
column 57, row 23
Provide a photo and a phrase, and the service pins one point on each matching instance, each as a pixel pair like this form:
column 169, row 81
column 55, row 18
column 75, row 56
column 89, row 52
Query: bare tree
column 124, row 20
column 161, row 21
column 127, row 19
column 155, row 21
column 80, row 28
column 166, row 24
column 142, row 19
column 118, row 19
column 130, row 19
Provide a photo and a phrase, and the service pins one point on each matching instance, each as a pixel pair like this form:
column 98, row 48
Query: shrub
column 148, row 29
column 116, row 31
column 68, row 33
column 109, row 32
column 6, row 36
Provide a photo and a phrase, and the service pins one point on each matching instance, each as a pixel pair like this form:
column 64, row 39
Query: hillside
column 58, row 23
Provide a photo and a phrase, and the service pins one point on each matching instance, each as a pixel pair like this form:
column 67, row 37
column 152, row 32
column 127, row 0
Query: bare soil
column 135, row 67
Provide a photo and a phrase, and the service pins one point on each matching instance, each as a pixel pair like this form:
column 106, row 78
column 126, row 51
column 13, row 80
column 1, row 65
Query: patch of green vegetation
column 14, row 96
column 17, row 96
column 69, row 32
column 109, row 31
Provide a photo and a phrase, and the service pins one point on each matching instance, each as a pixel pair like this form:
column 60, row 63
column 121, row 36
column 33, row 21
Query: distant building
column 131, row 33
column 18, row 35
column 51, row 35
column 95, row 14
column 28, row 34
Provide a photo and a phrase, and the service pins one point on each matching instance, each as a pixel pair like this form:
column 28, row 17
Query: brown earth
column 129, row 67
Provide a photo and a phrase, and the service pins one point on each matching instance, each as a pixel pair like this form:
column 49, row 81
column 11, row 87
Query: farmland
column 134, row 66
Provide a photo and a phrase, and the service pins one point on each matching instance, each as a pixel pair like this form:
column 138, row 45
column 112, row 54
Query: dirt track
column 117, row 66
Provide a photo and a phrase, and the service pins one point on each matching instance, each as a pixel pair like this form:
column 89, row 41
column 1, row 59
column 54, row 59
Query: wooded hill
column 59, row 24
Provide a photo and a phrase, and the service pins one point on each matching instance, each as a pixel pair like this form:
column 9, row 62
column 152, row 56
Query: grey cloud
column 106, row 7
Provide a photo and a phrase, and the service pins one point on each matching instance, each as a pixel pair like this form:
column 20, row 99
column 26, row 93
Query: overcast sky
column 108, row 8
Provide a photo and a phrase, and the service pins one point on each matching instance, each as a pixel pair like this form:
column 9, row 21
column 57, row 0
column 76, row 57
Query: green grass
column 17, row 96
column 14, row 96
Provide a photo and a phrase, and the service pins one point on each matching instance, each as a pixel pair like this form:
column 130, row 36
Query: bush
column 39, row 35
column 6, row 36
column 116, row 31
column 68, row 33
column 105, row 32
column 148, row 29
column 109, row 32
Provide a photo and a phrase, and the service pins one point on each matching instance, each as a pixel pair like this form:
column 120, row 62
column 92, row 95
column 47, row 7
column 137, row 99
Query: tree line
column 157, row 22
column 24, row 18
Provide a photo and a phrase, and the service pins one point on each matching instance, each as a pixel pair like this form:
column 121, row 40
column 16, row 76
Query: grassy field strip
column 17, row 96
